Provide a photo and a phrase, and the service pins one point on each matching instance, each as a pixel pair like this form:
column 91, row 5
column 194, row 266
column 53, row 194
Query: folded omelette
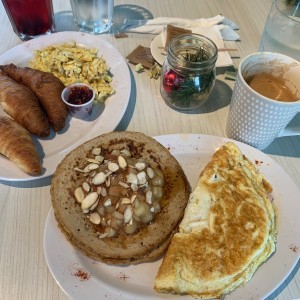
column 228, row 230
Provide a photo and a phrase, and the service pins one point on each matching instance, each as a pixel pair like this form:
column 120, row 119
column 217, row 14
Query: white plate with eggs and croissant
column 104, row 118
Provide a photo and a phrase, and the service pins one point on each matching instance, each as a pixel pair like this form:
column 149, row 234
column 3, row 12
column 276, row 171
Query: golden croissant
column 23, row 106
column 48, row 89
column 17, row 145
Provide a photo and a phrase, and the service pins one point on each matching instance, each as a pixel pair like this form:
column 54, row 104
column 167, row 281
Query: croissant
column 17, row 145
column 47, row 88
column 23, row 106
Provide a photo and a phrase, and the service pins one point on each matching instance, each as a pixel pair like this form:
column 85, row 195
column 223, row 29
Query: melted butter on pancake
column 227, row 231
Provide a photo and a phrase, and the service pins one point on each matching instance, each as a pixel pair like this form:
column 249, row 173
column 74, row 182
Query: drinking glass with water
column 93, row 16
column 282, row 29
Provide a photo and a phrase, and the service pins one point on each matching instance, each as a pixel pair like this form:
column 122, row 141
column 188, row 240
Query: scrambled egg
column 71, row 64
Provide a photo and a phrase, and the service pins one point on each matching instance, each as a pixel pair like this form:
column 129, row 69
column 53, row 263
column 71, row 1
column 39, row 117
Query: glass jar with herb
column 189, row 72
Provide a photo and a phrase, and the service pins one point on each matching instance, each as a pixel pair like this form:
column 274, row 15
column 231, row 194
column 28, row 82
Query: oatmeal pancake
column 120, row 197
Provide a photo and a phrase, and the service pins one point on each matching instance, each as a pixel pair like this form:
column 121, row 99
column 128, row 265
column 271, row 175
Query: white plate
column 136, row 282
column 159, row 54
column 104, row 118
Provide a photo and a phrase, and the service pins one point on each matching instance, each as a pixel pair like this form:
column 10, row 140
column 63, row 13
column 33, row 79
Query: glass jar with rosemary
column 189, row 72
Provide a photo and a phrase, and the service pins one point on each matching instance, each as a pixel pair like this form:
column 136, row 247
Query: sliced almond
column 117, row 205
column 125, row 201
column 86, row 187
column 99, row 188
column 134, row 187
column 123, row 184
column 93, row 173
column 103, row 192
column 113, row 167
column 140, row 166
column 126, row 152
column 96, row 151
column 128, row 214
column 103, row 235
column 95, row 218
column 91, row 167
column 132, row 199
column 94, row 205
column 99, row 158
column 89, row 200
column 99, row 178
column 80, row 170
column 142, row 179
column 92, row 160
column 132, row 178
column 115, row 152
column 79, row 194
column 107, row 203
column 122, row 162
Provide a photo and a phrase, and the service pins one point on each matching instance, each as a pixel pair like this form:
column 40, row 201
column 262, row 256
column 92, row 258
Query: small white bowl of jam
column 79, row 98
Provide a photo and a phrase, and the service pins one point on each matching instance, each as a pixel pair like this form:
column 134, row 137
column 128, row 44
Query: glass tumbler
column 281, row 33
column 189, row 72
column 93, row 16
column 30, row 18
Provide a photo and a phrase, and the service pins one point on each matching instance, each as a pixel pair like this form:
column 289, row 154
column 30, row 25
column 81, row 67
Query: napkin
column 218, row 29
column 225, row 26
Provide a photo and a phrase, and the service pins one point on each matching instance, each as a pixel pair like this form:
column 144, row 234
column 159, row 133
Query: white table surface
column 24, row 205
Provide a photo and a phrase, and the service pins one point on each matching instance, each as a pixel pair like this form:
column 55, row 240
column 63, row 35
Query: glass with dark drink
column 30, row 18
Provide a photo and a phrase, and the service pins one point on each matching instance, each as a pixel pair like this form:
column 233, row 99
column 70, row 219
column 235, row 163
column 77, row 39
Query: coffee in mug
column 271, row 87
column 255, row 117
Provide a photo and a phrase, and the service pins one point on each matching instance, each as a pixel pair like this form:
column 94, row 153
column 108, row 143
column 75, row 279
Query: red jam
column 80, row 95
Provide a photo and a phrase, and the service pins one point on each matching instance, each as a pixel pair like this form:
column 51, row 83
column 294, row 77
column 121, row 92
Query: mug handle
column 293, row 128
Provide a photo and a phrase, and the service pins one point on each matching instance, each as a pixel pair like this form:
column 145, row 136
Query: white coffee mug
column 253, row 118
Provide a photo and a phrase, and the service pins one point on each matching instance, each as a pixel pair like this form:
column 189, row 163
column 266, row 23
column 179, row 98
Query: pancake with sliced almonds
column 119, row 197
column 228, row 230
